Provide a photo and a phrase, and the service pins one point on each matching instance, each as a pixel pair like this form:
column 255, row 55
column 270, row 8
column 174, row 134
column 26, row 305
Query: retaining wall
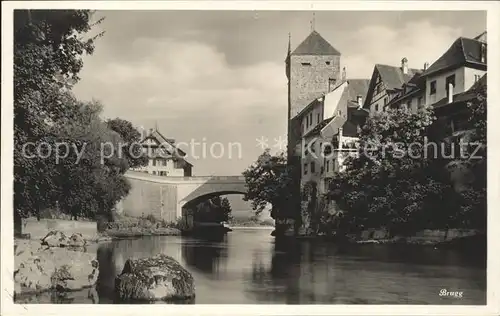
column 39, row 229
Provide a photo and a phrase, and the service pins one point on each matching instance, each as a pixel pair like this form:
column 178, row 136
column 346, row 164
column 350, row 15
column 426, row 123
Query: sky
column 215, row 80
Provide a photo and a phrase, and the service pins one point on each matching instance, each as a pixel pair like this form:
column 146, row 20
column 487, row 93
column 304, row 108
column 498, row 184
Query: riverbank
column 250, row 223
column 132, row 227
column 469, row 241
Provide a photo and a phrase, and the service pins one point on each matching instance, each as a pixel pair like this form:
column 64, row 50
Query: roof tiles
column 315, row 44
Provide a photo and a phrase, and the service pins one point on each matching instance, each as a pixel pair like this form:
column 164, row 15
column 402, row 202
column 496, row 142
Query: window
column 331, row 83
column 313, row 167
column 376, row 107
column 313, row 146
column 433, row 87
column 328, row 63
column 476, row 78
column 307, row 121
column 318, row 117
column 311, row 118
column 449, row 80
column 410, row 104
column 154, row 172
column 327, row 165
column 386, row 100
column 164, row 162
column 305, row 168
column 419, row 102
column 154, row 162
column 306, row 64
column 178, row 164
column 483, row 53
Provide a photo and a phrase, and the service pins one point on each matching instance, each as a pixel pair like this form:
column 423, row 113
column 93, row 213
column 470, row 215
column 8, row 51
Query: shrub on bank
column 126, row 226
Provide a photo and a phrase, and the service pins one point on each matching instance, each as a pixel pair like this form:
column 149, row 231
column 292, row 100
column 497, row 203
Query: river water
column 249, row 267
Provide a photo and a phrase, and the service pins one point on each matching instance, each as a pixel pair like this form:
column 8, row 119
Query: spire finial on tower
column 313, row 21
column 289, row 42
column 156, row 125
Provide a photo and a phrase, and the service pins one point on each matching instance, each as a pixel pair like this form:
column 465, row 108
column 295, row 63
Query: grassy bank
column 126, row 227
column 251, row 222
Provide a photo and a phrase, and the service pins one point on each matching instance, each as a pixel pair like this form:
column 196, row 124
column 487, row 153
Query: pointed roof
column 482, row 37
column 393, row 77
column 315, row 44
column 166, row 144
column 355, row 88
column 463, row 51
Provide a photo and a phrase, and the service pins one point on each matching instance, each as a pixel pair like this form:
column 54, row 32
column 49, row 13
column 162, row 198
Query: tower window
column 306, row 64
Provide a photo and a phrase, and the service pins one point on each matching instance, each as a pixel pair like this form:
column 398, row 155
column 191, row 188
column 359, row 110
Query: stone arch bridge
column 167, row 197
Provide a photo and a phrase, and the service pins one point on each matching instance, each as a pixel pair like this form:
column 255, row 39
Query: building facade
column 164, row 158
column 447, row 83
column 386, row 84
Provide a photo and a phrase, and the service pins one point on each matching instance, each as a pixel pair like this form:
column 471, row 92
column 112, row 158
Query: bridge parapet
column 147, row 176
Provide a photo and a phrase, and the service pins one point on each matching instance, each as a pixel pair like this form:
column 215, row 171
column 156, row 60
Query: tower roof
column 315, row 44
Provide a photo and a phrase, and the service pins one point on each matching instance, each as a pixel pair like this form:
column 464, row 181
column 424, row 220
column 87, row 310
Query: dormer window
column 306, row 64
column 483, row 53
column 359, row 100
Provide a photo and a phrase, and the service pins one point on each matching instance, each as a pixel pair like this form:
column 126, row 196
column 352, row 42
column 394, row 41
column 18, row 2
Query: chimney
column 404, row 65
column 344, row 74
column 426, row 65
column 450, row 92
column 360, row 101
column 150, row 131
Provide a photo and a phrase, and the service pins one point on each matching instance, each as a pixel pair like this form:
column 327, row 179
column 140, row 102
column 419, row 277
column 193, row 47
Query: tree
column 214, row 210
column 396, row 181
column 474, row 209
column 48, row 45
column 90, row 184
column 269, row 181
column 131, row 148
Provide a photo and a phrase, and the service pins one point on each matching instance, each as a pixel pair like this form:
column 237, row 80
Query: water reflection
column 304, row 272
column 205, row 254
column 251, row 267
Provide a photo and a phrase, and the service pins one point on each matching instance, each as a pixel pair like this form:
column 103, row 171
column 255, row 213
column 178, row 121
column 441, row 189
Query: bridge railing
column 194, row 178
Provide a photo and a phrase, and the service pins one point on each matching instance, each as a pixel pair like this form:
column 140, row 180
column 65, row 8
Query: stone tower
column 311, row 68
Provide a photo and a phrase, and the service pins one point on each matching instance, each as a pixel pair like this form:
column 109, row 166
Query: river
column 248, row 267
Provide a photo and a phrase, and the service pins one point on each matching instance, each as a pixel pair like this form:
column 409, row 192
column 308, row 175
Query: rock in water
column 77, row 240
column 55, row 239
column 159, row 278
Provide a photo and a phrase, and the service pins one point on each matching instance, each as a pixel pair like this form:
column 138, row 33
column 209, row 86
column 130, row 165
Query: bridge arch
column 196, row 200
column 166, row 197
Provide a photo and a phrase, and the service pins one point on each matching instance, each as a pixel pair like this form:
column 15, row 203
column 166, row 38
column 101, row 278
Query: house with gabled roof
column 386, row 84
column 456, row 71
column 447, row 83
column 164, row 156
